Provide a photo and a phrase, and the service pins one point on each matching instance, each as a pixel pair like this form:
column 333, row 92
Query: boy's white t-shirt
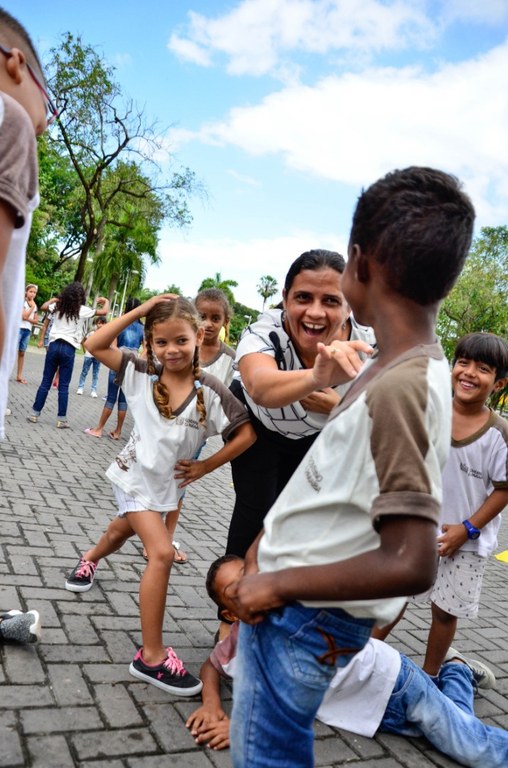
column 144, row 469
column 380, row 453
column 71, row 331
column 476, row 467
column 18, row 188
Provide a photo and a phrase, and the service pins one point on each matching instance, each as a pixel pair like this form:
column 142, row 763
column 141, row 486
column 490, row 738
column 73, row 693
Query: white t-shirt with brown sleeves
column 222, row 364
column 476, row 466
column 381, row 453
column 144, row 468
column 18, row 188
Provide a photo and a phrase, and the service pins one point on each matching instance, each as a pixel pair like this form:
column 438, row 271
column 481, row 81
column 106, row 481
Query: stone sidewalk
column 70, row 701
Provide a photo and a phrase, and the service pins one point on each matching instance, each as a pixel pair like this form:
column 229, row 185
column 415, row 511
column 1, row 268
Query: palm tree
column 223, row 285
column 267, row 287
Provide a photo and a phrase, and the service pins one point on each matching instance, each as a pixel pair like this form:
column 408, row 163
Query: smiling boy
column 475, row 489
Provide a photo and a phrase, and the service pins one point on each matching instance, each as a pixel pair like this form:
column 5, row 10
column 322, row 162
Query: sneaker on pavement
column 79, row 391
column 20, row 627
column 170, row 675
column 81, row 578
column 483, row 675
column 62, row 424
column 93, row 393
column 32, row 418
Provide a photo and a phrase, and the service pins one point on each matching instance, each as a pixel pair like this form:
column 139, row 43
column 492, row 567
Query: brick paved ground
column 70, row 701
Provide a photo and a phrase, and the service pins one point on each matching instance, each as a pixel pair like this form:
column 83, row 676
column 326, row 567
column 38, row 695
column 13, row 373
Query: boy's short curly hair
column 484, row 348
column 418, row 224
column 212, row 575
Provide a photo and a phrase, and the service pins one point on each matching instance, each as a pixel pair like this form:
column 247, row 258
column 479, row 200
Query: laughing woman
column 275, row 358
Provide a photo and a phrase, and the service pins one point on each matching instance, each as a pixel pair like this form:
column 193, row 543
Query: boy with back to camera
column 381, row 689
column 24, row 106
column 355, row 528
column 475, row 490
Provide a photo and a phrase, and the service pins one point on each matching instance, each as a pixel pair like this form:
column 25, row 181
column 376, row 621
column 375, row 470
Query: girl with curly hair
column 67, row 332
column 175, row 407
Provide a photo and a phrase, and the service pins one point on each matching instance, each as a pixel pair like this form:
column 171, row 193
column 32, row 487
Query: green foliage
column 241, row 318
column 267, row 287
column 479, row 300
column 104, row 196
column 224, row 285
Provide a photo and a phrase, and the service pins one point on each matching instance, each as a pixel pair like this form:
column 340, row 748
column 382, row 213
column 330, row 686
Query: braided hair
column 173, row 309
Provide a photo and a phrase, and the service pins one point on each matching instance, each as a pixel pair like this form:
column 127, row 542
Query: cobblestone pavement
column 70, row 701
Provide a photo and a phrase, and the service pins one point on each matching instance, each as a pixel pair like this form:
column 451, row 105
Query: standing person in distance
column 130, row 338
column 28, row 319
column 175, row 407
column 67, row 331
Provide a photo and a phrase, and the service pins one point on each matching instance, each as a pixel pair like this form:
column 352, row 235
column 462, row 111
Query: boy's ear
column 499, row 385
column 360, row 262
column 200, row 335
column 14, row 64
column 228, row 615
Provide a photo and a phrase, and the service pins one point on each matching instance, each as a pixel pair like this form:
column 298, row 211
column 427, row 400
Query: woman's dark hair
column 70, row 301
column 484, row 348
column 315, row 259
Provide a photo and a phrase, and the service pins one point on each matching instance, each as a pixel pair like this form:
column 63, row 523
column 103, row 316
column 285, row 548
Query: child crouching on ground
column 380, row 689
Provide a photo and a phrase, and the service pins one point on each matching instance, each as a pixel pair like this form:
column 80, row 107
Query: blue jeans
column 284, row 666
column 114, row 392
column 24, row 338
column 417, row 707
column 60, row 356
column 87, row 362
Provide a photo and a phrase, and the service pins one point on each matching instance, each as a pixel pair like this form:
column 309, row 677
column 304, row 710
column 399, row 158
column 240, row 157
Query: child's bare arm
column 403, row 564
column 211, row 709
column 189, row 470
column 454, row 536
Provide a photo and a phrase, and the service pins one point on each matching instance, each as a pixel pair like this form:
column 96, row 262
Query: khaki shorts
column 458, row 585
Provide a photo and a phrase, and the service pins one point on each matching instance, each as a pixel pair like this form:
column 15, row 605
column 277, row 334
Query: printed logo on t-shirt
column 313, row 475
column 470, row 472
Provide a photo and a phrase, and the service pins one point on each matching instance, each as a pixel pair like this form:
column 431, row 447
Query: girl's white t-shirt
column 71, row 331
column 144, row 469
column 26, row 324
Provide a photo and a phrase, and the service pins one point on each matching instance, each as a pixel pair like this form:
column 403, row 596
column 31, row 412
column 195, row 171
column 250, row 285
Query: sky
column 286, row 109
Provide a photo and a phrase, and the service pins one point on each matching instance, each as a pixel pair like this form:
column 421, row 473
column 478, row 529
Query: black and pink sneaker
column 81, row 578
column 170, row 675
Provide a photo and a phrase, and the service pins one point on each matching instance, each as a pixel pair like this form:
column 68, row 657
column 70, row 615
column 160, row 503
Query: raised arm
column 101, row 343
column 272, row 388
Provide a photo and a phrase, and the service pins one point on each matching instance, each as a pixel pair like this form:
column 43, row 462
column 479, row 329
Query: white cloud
column 355, row 127
column 257, row 36
column 186, row 263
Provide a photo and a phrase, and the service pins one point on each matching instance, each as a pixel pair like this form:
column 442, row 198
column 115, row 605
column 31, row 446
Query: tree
column 267, row 287
column 479, row 299
column 224, row 285
column 242, row 317
column 96, row 130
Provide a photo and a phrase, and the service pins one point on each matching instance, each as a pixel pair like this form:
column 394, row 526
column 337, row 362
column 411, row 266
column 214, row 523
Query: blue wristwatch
column 472, row 532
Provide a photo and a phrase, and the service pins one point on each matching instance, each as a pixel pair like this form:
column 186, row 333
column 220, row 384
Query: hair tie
column 197, row 384
column 154, row 377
